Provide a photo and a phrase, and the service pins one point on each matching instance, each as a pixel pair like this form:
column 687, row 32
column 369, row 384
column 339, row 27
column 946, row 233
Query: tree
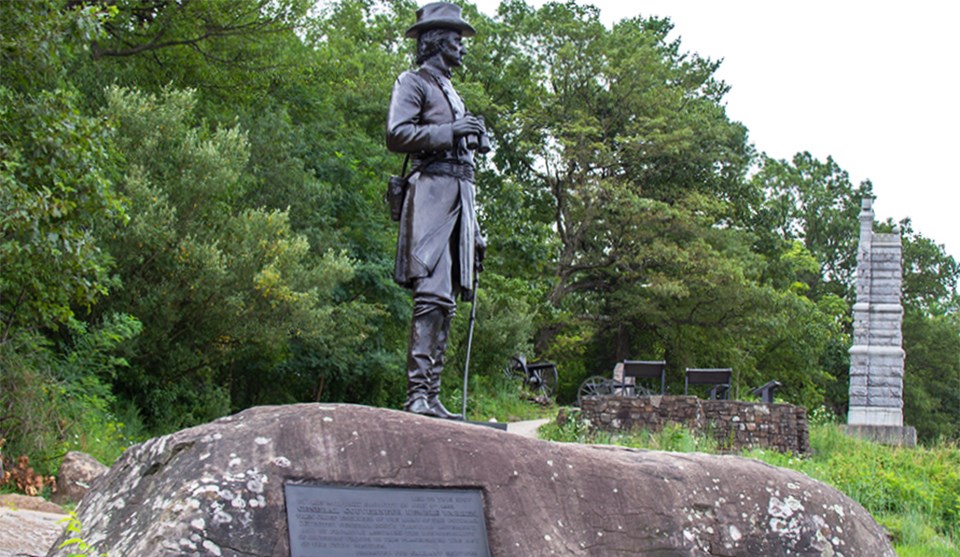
column 931, row 335
column 605, row 110
column 814, row 202
column 230, row 50
column 221, row 289
column 299, row 86
column 607, row 139
column 693, row 296
column 931, row 382
column 55, row 173
column 930, row 275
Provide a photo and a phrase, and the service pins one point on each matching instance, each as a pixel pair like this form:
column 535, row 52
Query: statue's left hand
column 468, row 125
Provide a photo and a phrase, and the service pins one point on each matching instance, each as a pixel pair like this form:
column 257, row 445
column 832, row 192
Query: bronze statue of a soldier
column 439, row 245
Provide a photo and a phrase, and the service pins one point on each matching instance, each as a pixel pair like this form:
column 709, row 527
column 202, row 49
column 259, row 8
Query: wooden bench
column 720, row 378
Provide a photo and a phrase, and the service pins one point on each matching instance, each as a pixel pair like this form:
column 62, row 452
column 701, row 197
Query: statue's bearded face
column 445, row 43
column 452, row 49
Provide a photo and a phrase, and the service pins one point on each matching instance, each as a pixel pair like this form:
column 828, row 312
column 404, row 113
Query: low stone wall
column 735, row 425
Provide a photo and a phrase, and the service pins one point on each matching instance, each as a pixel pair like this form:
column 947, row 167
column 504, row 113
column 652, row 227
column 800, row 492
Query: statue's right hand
column 468, row 125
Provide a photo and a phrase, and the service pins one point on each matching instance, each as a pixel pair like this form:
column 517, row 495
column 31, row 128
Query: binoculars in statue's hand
column 479, row 143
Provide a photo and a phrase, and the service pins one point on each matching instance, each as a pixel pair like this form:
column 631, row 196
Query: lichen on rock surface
column 217, row 489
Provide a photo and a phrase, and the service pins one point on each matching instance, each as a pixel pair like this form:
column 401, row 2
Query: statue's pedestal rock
column 218, row 489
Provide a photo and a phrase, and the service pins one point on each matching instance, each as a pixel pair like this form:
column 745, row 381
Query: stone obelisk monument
column 877, row 356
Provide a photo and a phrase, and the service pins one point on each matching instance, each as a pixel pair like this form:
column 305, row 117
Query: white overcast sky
column 872, row 84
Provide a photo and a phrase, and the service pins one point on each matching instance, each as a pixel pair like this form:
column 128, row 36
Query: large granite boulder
column 218, row 489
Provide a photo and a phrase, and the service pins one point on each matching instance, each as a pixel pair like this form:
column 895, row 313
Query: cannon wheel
column 640, row 390
column 543, row 380
column 595, row 386
column 516, row 370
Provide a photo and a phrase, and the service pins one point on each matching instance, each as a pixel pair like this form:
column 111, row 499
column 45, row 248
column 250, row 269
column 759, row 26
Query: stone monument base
column 875, row 415
column 903, row 436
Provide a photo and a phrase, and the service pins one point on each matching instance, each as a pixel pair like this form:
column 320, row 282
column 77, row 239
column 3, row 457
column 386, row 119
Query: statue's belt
column 459, row 170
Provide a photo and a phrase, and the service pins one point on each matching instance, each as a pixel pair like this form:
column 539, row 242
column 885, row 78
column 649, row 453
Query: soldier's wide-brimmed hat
column 440, row 15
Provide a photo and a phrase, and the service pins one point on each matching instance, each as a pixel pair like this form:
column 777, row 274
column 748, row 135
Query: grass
column 672, row 437
column 913, row 492
column 495, row 397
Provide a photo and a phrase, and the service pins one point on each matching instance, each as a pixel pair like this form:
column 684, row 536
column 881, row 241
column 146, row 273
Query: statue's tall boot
column 436, row 370
column 424, row 331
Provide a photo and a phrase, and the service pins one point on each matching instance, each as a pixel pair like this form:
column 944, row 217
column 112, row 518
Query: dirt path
column 28, row 526
column 527, row 429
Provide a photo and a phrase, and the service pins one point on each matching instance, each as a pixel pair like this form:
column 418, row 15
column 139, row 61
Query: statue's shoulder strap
column 430, row 77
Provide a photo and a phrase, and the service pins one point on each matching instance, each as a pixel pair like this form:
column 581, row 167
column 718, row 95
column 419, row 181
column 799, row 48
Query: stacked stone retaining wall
column 735, row 425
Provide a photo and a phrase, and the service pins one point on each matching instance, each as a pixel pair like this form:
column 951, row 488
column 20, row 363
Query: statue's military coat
column 420, row 123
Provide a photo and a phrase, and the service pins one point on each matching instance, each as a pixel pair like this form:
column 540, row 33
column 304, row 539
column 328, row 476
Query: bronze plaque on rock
column 344, row 521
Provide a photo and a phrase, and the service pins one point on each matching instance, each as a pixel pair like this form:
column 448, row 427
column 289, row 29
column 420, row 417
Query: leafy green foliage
column 55, row 171
column 57, row 165
column 496, row 398
column 932, row 375
column 191, row 219
column 230, row 50
column 56, row 397
column 77, row 544
column 929, row 275
column 55, row 192
column 570, row 428
column 895, row 484
column 812, row 201
column 610, row 115
column 221, row 289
